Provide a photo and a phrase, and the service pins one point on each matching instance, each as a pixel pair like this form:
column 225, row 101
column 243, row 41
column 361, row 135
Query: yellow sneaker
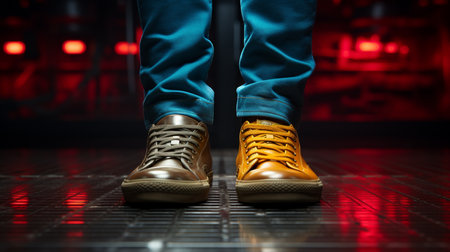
column 270, row 167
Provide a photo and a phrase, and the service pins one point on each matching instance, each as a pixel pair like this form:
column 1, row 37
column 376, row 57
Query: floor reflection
column 372, row 200
column 19, row 204
column 76, row 199
column 268, row 228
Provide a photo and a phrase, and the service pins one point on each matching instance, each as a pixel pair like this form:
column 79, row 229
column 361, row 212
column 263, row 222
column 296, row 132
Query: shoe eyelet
column 248, row 162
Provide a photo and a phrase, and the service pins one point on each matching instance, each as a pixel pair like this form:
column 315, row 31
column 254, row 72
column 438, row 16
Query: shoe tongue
column 266, row 122
column 177, row 120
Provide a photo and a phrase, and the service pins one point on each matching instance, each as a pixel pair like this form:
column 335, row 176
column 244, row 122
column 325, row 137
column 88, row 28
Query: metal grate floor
column 373, row 199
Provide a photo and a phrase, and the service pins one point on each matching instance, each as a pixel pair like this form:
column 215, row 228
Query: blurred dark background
column 69, row 74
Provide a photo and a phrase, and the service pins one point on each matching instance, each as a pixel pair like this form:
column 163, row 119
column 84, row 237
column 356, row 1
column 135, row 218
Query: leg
column 175, row 58
column 275, row 63
column 276, row 59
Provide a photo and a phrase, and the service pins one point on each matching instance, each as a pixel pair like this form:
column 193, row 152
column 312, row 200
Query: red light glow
column 391, row 47
column 76, row 199
column 369, row 46
column 20, row 199
column 345, row 46
column 19, row 203
column 75, row 234
column 14, row 47
column 124, row 48
column 74, row 47
column 404, row 49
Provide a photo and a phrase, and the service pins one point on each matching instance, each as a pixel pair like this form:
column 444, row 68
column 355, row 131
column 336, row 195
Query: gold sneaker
column 177, row 164
column 270, row 167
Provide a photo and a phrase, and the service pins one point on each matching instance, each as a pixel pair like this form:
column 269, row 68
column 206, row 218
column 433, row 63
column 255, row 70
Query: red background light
column 369, row 46
column 14, row 47
column 404, row 49
column 391, row 47
column 123, row 48
column 74, row 47
column 367, row 69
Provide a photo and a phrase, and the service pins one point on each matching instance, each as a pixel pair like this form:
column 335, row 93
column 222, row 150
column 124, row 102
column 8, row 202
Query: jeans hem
column 199, row 110
column 258, row 106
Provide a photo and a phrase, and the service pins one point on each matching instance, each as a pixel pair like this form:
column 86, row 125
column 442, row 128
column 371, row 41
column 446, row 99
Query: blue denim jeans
column 176, row 54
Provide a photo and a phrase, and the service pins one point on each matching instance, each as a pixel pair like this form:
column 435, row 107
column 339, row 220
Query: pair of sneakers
column 177, row 166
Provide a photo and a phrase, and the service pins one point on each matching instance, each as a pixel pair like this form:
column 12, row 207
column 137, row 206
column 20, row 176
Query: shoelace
column 270, row 143
column 173, row 141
